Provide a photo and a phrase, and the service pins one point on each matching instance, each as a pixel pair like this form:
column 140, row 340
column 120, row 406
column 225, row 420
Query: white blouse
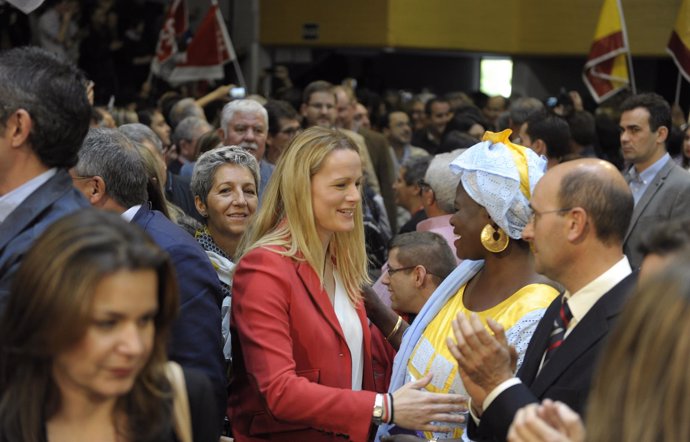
column 352, row 329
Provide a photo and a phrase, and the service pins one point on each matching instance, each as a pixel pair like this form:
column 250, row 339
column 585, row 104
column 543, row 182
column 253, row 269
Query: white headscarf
column 500, row 176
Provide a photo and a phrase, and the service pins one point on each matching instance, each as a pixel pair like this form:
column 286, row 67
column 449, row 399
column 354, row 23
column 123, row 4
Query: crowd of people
column 457, row 267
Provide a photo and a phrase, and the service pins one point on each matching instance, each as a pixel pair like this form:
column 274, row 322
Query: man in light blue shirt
column 660, row 188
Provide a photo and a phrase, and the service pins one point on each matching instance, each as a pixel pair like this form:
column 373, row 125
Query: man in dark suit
column 111, row 174
column 660, row 187
column 580, row 211
column 44, row 115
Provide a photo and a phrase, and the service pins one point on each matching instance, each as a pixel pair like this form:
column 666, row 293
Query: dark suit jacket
column 50, row 202
column 291, row 364
column 667, row 197
column 196, row 339
column 568, row 374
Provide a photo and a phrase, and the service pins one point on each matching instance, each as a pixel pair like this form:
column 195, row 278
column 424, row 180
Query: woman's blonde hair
column 49, row 310
column 286, row 217
column 642, row 389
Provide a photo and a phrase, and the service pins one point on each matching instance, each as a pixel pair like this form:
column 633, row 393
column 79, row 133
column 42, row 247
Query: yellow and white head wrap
column 500, row 176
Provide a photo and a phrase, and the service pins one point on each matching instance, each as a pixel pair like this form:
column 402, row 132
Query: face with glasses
column 546, row 230
column 277, row 143
column 401, row 281
column 320, row 110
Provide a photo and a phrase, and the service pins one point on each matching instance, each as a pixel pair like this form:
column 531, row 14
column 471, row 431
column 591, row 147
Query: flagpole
column 624, row 28
column 231, row 50
column 678, row 84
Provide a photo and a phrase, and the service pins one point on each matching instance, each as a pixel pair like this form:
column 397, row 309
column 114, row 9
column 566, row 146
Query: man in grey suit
column 661, row 189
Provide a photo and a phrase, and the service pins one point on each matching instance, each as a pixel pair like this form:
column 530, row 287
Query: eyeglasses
column 536, row 214
column 423, row 185
column 290, row 131
column 392, row 271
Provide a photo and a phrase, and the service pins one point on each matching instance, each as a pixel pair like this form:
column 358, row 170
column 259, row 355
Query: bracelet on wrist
column 395, row 329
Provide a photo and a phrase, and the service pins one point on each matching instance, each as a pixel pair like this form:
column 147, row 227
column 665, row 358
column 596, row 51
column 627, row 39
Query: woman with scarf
column 496, row 278
column 224, row 184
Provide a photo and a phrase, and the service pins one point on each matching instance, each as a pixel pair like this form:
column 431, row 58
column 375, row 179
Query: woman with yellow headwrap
column 496, row 278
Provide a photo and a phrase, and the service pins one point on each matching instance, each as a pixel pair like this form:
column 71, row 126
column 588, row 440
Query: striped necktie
column 560, row 325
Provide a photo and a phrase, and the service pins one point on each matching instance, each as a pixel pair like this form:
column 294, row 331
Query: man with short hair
column 244, row 123
column 44, row 116
column 547, row 134
column 438, row 197
column 376, row 146
column 408, row 193
column 283, row 125
column 493, row 108
column 518, row 112
column 184, row 108
column 417, row 263
column 177, row 188
column 186, row 137
column 319, row 109
column 438, row 114
column 398, row 132
column 661, row 244
column 318, row 104
column 580, row 210
column 660, row 187
column 112, row 176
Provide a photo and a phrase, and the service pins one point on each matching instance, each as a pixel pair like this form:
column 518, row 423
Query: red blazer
column 292, row 368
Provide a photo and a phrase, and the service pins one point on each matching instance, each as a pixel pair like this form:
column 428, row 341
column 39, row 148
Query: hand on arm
column 418, row 409
column 484, row 361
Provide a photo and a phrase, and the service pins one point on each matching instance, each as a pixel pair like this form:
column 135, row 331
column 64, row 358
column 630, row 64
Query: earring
column 495, row 240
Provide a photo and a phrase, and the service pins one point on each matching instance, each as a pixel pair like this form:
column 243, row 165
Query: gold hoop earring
column 495, row 240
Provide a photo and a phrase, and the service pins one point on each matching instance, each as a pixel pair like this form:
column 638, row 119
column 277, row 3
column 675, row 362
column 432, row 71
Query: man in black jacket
column 581, row 211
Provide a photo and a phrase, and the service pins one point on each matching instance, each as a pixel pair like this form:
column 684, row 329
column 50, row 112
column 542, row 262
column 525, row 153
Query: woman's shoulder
column 531, row 297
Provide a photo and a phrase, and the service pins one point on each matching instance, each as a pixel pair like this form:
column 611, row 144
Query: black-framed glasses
column 536, row 214
column 391, row 271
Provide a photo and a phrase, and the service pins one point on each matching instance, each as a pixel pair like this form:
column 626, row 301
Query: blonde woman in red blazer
column 301, row 344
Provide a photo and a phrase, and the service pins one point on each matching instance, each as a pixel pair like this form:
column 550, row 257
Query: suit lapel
column 319, row 296
column 538, row 343
column 33, row 205
column 593, row 328
column 653, row 188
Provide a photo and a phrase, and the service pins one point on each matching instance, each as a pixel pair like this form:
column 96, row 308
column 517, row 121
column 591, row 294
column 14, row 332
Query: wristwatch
column 377, row 414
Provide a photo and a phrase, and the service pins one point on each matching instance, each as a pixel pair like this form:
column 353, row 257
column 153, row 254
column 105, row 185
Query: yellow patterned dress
column 519, row 316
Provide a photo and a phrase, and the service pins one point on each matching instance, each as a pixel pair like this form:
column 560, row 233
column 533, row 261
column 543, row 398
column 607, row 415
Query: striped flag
column 175, row 25
column 207, row 53
column 679, row 43
column 606, row 70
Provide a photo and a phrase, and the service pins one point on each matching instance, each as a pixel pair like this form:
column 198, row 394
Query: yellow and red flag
column 606, row 70
column 679, row 43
